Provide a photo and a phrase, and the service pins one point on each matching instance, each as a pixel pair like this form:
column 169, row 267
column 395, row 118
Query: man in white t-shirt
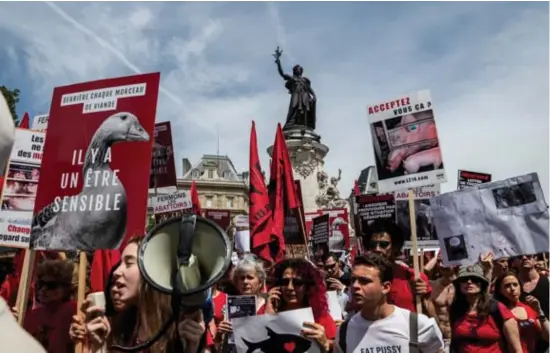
column 380, row 327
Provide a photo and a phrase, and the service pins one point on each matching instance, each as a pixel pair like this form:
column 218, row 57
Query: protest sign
column 468, row 179
column 239, row 306
column 425, row 230
column 373, row 207
column 339, row 229
column 507, row 217
column 309, row 216
column 163, row 167
column 173, row 205
column 241, row 221
column 220, row 217
column 97, row 156
column 406, row 144
column 320, row 236
column 20, row 186
column 273, row 333
column 40, row 122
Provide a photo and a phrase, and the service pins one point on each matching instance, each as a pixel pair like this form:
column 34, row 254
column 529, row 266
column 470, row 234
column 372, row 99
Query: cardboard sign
column 425, row 230
column 339, row 229
column 507, row 217
column 373, row 207
column 220, row 217
column 20, row 187
column 468, row 179
column 321, row 229
column 406, row 145
column 97, row 156
column 163, row 167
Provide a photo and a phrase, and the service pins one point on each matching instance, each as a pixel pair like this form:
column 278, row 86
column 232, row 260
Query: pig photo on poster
column 405, row 141
column 94, row 193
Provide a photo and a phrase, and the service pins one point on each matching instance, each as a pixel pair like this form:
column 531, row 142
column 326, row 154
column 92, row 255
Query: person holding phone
column 298, row 284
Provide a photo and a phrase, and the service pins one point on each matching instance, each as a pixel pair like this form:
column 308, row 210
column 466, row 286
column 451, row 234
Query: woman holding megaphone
column 133, row 313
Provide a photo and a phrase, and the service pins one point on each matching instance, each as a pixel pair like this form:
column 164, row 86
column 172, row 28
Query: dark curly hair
column 316, row 291
column 384, row 226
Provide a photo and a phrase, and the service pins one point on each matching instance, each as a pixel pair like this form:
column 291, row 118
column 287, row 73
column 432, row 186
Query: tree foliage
column 12, row 98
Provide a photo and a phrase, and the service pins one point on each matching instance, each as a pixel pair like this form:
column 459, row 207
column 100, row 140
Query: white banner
column 241, row 221
column 19, row 191
column 174, row 202
column 507, row 217
column 40, row 122
column 406, row 145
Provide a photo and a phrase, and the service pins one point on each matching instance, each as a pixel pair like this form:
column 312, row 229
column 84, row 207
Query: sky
column 486, row 65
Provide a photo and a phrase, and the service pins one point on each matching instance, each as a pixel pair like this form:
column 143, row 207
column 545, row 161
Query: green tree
column 12, row 98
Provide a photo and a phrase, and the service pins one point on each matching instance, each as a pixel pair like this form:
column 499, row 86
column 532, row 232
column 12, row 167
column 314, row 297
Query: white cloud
column 485, row 63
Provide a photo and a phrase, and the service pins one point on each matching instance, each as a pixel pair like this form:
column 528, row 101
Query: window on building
column 226, row 175
column 196, row 174
column 210, row 174
column 209, row 201
column 229, row 202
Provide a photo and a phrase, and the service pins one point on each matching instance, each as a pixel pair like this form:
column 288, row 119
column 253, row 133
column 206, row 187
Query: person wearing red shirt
column 532, row 322
column 386, row 238
column 478, row 323
column 298, row 284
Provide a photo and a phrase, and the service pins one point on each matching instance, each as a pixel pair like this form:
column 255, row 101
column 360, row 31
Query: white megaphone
column 184, row 257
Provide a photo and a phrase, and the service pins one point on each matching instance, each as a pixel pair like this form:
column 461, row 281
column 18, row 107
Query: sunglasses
column 363, row 281
column 473, row 279
column 382, row 244
column 48, row 284
column 296, row 282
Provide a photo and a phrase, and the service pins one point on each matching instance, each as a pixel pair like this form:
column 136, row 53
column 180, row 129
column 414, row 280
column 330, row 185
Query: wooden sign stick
column 414, row 247
column 82, row 264
column 24, row 285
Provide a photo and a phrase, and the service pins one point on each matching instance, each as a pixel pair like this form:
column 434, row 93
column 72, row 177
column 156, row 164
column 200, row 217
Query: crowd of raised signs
column 373, row 303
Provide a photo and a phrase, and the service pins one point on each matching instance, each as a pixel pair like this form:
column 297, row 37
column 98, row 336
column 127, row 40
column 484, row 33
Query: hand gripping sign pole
column 414, row 246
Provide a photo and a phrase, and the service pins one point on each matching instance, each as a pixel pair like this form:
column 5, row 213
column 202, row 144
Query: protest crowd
column 369, row 295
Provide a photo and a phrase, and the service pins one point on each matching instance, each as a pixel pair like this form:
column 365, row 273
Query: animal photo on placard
column 456, row 248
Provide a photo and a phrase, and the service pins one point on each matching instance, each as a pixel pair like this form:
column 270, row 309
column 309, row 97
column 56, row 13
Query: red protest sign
column 163, row 167
column 94, row 178
column 220, row 217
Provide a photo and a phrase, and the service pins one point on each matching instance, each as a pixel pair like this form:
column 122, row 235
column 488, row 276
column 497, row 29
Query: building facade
column 219, row 185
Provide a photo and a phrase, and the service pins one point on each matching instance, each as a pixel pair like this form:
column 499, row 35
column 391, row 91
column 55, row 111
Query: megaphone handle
column 187, row 234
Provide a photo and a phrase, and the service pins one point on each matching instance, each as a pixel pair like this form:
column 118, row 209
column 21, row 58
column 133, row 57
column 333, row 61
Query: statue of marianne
column 301, row 110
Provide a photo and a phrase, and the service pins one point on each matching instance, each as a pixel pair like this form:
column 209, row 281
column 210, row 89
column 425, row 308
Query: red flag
column 356, row 188
column 24, row 122
column 282, row 190
column 260, row 214
column 195, row 199
column 103, row 262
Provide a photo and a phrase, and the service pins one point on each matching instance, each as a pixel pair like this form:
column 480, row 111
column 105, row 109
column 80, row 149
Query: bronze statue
column 301, row 110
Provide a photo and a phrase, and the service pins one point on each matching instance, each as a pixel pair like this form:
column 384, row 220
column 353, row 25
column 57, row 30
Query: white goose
column 90, row 229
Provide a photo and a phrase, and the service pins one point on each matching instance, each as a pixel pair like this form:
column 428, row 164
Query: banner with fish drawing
column 40, row 122
column 163, row 167
column 406, row 144
column 20, row 186
column 507, row 217
column 173, row 205
column 97, row 156
column 274, row 333
column 425, row 230
column 468, row 179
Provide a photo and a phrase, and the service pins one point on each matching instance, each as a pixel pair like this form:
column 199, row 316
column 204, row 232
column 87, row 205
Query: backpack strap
column 343, row 335
column 413, row 333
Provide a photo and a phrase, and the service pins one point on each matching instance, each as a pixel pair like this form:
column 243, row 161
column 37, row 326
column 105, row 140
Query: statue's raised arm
column 277, row 56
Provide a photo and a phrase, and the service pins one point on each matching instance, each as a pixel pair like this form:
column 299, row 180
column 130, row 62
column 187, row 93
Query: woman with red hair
column 298, row 284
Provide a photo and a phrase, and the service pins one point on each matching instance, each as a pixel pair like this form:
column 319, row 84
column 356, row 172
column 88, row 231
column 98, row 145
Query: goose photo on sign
column 94, row 180
column 405, row 142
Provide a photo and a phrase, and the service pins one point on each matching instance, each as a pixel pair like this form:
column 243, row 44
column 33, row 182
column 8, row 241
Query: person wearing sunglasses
column 337, row 279
column 387, row 239
column 49, row 322
column 298, row 284
column 380, row 326
column 478, row 322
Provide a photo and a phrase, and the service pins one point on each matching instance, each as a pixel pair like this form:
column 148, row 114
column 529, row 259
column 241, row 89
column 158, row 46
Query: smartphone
column 97, row 299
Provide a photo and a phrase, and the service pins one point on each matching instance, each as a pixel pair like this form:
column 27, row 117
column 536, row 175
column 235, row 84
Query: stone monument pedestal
column 307, row 155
